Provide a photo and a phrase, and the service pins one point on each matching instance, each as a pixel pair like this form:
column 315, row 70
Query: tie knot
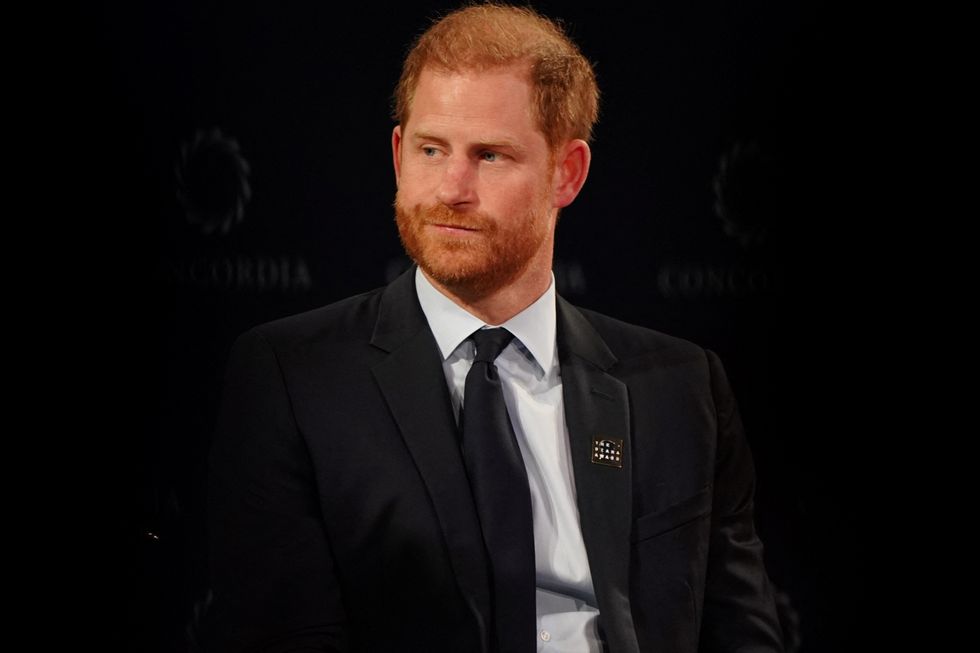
column 489, row 343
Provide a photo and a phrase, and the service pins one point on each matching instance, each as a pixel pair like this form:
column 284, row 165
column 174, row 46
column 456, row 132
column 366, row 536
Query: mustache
column 441, row 214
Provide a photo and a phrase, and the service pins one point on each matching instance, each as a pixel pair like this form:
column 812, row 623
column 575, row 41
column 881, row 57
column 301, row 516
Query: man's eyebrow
column 425, row 136
column 499, row 144
column 494, row 143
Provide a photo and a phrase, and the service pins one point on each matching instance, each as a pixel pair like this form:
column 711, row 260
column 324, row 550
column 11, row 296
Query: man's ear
column 571, row 169
column 396, row 151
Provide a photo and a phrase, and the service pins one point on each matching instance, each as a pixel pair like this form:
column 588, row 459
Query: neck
column 496, row 306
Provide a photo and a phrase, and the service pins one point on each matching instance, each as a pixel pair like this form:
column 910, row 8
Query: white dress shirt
column 531, row 380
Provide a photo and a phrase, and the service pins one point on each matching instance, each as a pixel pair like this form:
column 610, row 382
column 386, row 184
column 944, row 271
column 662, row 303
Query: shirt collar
column 534, row 327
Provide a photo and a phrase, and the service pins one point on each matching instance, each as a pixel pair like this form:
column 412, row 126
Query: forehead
column 497, row 99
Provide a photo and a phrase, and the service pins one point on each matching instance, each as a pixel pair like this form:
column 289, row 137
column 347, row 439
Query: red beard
column 476, row 262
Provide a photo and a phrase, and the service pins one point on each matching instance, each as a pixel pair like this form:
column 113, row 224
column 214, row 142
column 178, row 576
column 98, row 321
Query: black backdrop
column 249, row 148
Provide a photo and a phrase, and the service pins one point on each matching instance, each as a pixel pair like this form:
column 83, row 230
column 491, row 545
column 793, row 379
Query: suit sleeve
column 273, row 583
column 739, row 608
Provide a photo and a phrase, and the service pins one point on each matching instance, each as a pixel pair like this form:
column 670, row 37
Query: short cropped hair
column 565, row 97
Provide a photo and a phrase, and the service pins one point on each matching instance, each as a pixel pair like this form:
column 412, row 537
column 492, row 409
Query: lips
column 452, row 227
column 443, row 219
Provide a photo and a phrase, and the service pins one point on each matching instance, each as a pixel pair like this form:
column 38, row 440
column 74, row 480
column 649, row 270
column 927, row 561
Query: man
column 366, row 494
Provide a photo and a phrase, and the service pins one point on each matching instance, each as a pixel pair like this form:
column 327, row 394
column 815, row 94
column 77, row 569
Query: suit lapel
column 414, row 386
column 597, row 406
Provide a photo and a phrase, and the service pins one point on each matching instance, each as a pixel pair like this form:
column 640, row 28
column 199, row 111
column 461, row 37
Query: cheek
column 519, row 196
column 410, row 174
column 416, row 176
column 410, row 191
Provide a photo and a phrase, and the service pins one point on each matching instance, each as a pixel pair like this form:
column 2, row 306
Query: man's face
column 475, row 203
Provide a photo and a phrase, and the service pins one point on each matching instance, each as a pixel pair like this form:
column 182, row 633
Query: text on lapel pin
column 607, row 451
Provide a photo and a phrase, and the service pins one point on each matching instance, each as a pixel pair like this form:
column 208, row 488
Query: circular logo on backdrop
column 212, row 181
column 212, row 188
column 750, row 198
column 746, row 190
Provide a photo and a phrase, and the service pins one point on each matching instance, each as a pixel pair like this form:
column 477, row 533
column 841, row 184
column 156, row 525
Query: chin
column 472, row 267
column 464, row 275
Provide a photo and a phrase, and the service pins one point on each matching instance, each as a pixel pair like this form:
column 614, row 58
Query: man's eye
column 489, row 156
column 429, row 151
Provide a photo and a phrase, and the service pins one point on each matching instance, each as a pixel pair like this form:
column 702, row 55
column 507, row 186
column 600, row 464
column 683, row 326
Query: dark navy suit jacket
column 340, row 517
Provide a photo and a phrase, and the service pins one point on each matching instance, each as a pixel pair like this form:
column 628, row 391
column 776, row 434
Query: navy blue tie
column 498, row 480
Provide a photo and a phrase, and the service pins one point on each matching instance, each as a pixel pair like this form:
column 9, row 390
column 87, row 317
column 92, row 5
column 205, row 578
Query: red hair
column 565, row 96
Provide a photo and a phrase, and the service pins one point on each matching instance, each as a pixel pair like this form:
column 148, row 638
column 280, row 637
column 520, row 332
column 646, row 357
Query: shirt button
column 545, row 636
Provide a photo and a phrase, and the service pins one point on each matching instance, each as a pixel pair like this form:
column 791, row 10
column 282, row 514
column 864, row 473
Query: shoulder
column 629, row 342
column 341, row 323
column 641, row 356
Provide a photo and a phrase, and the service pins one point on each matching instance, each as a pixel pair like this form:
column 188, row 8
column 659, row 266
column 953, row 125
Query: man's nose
column 458, row 184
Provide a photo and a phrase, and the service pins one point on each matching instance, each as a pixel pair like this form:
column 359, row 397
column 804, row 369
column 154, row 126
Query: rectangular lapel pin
column 607, row 451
